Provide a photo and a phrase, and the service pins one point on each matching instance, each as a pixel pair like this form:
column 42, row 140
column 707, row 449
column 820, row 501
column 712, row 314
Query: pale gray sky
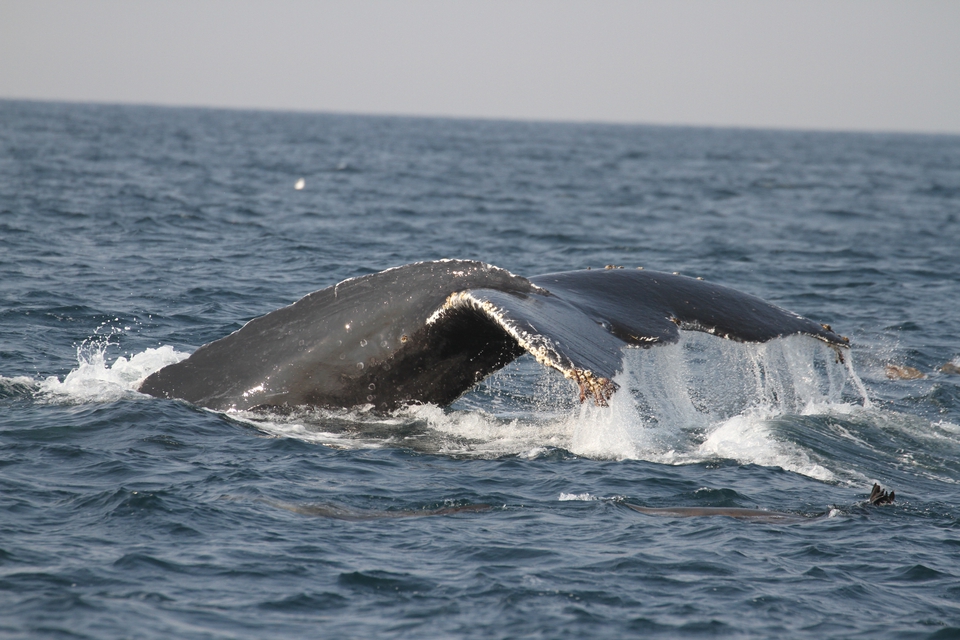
column 826, row 64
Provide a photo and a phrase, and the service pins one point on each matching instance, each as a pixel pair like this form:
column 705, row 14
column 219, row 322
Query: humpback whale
column 427, row 332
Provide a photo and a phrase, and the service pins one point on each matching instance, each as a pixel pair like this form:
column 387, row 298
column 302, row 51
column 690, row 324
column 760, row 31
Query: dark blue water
column 129, row 236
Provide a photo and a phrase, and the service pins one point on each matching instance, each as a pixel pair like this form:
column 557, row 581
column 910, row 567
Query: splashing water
column 701, row 399
column 96, row 381
column 708, row 398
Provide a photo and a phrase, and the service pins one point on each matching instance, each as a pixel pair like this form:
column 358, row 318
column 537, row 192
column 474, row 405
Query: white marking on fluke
column 539, row 346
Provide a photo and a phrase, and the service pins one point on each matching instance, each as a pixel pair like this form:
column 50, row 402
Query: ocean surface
column 130, row 236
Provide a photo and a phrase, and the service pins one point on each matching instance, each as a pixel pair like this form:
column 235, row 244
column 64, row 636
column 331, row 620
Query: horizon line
column 483, row 118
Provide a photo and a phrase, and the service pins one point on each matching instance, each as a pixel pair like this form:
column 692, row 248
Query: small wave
column 749, row 439
column 17, row 387
column 949, row 427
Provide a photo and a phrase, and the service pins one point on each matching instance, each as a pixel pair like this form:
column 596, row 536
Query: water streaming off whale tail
column 701, row 399
column 787, row 403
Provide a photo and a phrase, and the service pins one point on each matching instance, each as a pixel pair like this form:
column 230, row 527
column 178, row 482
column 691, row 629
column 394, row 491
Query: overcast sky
column 833, row 64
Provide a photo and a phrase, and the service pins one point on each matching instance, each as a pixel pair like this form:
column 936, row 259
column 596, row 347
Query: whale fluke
column 427, row 332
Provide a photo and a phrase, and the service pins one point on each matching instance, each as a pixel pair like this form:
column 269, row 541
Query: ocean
column 130, row 236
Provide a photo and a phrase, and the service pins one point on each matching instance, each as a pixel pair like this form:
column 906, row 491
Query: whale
column 428, row 332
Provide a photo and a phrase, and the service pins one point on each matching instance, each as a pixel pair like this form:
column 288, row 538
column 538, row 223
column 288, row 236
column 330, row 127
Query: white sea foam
column 949, row 427
column 339, row 429
column 305, row 430
column 704, row 398
column 585, row 497
column 748, row 438
column 96, row 380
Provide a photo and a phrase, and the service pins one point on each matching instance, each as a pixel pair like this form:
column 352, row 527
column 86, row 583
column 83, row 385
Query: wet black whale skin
column 386, row 340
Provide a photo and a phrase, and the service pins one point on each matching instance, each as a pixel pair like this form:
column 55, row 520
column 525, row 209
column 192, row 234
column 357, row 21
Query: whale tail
column 428, row 332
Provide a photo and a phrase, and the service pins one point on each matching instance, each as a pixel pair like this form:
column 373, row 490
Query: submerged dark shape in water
column 878, row 496
column 427, row 332
column 340, row 512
